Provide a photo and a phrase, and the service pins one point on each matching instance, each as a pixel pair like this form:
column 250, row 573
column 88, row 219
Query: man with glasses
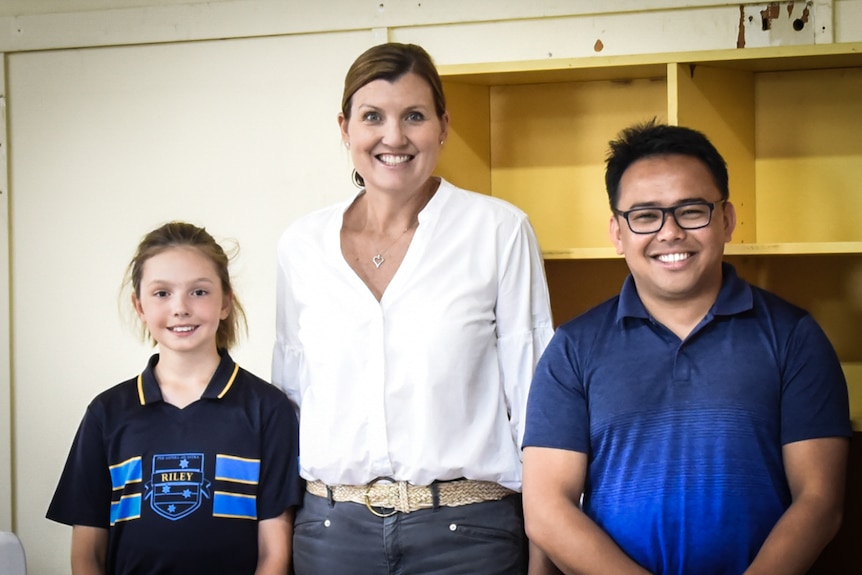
column 693, row 424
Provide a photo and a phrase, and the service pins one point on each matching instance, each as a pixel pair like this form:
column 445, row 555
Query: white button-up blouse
column 431, row 382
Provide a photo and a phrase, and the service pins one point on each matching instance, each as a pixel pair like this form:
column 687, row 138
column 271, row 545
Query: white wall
column 236, row 135
column 106, row 141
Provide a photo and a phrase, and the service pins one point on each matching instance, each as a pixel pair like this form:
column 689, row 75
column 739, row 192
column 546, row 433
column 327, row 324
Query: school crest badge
column 177, row 484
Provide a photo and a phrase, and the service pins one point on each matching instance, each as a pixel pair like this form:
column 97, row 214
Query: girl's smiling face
column 181, row 301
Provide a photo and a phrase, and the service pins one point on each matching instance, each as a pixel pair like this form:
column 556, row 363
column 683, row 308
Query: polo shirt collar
column 630, row 303
column 222, row 380
column 734, row 297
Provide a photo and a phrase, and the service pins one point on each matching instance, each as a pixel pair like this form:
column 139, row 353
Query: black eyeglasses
column 688, row 216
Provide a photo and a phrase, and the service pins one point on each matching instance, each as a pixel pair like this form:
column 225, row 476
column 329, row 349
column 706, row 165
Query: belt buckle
column 370, row 507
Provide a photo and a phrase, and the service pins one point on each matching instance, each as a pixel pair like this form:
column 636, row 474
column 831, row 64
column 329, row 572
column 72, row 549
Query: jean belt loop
column 435, row 495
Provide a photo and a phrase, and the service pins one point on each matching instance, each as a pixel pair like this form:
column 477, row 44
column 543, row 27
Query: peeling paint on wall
column 770, row 13
column 777, row 24
column 800, row 23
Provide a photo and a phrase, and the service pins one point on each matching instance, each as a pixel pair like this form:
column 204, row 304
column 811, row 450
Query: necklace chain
column 378, row 258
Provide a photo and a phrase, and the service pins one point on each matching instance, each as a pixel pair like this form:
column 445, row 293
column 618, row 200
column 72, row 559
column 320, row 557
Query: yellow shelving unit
column 788, row 120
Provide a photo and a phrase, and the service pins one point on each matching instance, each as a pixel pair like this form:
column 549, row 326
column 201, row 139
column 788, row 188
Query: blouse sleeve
column 286, row 357
column 523, row 316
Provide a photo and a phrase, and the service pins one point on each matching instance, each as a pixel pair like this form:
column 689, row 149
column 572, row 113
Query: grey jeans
column 335, row 538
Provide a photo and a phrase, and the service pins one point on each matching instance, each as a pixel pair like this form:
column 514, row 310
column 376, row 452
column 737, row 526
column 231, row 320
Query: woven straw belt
column 406, row 497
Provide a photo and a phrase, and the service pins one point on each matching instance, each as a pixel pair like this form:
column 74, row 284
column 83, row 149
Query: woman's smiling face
column 394, row 133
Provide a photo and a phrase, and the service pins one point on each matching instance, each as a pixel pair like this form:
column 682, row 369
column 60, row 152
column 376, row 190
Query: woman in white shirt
column 409, row 322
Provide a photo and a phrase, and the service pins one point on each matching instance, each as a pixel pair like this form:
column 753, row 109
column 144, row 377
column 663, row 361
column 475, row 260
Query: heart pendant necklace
column 378, row 258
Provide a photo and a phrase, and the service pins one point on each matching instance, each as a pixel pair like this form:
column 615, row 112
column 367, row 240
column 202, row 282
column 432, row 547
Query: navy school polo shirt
column 182, row 490
column 684, row 437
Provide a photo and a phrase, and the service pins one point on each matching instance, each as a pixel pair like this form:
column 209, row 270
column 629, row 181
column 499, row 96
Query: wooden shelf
column 819, row 56
column 786, row 119
column 582, row 254
column 798, row 248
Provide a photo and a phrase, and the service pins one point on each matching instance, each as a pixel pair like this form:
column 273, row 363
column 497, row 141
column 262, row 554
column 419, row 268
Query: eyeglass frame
column 672, row 211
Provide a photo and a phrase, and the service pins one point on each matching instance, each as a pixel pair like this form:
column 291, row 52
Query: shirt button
column 453, row 527
column 326, row 523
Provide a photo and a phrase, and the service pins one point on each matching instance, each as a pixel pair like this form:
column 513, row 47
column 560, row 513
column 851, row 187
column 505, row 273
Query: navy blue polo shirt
column 182, row 490
column 684, row 437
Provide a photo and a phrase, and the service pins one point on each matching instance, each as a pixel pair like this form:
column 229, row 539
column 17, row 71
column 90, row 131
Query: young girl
column 192, row 465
